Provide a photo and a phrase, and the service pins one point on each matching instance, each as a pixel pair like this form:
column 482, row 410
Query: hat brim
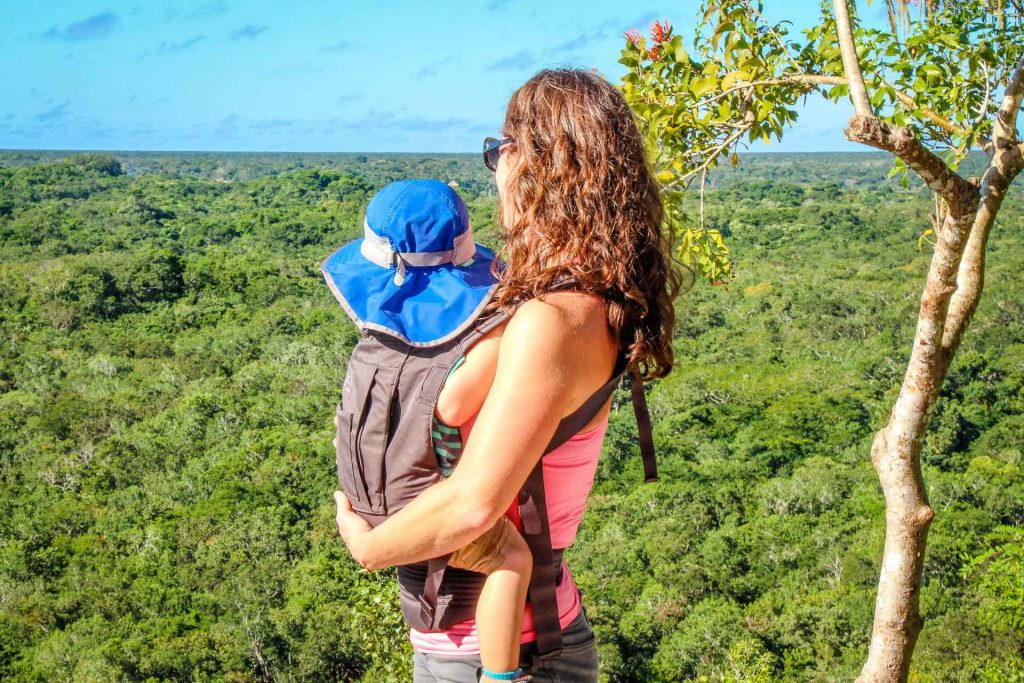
column 432, row 305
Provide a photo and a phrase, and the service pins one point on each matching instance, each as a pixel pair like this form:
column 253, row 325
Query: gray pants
column 577, row 663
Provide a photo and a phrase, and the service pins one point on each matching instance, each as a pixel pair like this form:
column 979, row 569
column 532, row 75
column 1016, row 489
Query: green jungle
column 170, row 360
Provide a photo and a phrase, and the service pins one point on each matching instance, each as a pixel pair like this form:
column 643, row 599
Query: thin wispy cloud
column 440, row 125
column 602, row 31
column 348, row 99
column 433, row 69
column 273, row 124
column 237, row 126
column 342, row 46
column 182, row 46
column 377, row 119
column 581, row 41
column 96, row 26
column 54, row 113
column 248, row 32
column 520, row 60
column 208, row 9
column 644, row 21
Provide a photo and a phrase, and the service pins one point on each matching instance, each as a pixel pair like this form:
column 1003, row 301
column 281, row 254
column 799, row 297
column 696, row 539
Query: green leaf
column 731, row 78
column 921, row 239
column 702, row 86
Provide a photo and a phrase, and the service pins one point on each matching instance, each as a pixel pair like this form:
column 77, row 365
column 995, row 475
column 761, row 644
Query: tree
column 928, row 97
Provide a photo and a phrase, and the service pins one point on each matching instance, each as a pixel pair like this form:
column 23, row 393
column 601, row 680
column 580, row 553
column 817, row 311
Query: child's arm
column 465, row 389
column 504, row 557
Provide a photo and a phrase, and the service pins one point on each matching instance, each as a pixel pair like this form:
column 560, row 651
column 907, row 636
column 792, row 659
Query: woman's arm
column 554, row 353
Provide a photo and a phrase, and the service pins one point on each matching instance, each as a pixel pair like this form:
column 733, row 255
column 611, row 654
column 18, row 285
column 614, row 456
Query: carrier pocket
column 366, row 404
column 345, row 460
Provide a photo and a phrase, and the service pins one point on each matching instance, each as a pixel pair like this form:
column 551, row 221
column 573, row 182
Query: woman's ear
column 514, row 157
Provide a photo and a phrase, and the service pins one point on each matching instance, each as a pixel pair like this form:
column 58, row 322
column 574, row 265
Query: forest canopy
column 171, row 358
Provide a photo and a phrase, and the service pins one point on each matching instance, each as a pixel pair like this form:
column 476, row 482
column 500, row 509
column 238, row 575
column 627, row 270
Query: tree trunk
column 896, row 449
column 951, row 294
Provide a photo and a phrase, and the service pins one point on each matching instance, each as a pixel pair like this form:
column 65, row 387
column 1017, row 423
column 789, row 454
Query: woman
column 577, row 199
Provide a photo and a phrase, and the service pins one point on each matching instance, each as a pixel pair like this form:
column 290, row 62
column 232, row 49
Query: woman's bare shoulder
column 567, row 312
column 571, row 327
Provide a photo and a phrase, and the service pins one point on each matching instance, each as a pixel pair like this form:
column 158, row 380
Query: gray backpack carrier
column 385, row 459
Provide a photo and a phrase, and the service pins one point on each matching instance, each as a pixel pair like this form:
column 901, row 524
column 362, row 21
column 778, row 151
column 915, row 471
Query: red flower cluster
column 661, row 31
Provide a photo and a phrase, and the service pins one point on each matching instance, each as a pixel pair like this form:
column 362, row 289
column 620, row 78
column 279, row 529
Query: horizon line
column 256, row 151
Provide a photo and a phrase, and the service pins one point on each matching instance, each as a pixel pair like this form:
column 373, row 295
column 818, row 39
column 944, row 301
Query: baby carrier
column 384, row 454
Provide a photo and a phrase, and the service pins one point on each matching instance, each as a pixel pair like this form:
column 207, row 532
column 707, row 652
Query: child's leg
column 503, row 555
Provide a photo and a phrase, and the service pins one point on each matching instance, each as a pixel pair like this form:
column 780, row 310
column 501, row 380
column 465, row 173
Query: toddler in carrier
column 416, row 281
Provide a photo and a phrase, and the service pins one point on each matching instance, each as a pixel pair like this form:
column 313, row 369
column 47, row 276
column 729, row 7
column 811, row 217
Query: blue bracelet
column 504, row 675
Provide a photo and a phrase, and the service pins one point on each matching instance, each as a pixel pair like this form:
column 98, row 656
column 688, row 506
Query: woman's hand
column 354, row 529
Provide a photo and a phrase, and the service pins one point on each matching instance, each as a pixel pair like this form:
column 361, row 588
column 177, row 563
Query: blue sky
column 313, row 76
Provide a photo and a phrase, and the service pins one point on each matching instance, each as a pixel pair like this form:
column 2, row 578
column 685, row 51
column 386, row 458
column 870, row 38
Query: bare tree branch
column 703, row 182
column 983, row 105
column 941, row 121
column 895, row 452
column 1005, row 126
column 960, row 195
column 821, row 79
column 896, row 449
column 854, row 77
column 809, row 79
column 866, row 128
column 709, row 158
column 1006, row 160
column 970, row 280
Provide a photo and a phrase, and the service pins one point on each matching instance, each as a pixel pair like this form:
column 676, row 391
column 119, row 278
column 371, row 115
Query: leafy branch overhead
column 741, row 78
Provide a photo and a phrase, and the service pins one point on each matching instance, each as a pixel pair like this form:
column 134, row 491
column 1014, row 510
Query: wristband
column 517, row 675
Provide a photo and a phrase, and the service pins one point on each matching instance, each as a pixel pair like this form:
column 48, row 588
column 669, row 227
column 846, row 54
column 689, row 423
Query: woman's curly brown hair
column 582, row 193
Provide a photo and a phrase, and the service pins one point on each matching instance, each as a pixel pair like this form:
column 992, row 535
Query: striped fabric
column 447, row 440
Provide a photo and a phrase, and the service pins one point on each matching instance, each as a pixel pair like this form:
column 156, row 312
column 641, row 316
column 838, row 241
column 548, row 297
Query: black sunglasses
column 492, row 150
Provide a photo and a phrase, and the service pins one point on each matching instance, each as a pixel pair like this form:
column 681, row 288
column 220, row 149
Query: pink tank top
column 568, row 478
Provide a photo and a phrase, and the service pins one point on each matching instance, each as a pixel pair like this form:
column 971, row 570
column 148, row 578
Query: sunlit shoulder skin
column 555, row 351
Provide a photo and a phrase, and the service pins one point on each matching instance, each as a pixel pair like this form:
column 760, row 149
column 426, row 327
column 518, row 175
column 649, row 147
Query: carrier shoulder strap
column 578, row 419
column 532, row 502
column 483, row 325
column 534, row 514
column 643, row 426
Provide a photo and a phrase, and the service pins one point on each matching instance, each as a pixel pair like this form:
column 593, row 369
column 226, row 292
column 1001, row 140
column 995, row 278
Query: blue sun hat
column 416, row 272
